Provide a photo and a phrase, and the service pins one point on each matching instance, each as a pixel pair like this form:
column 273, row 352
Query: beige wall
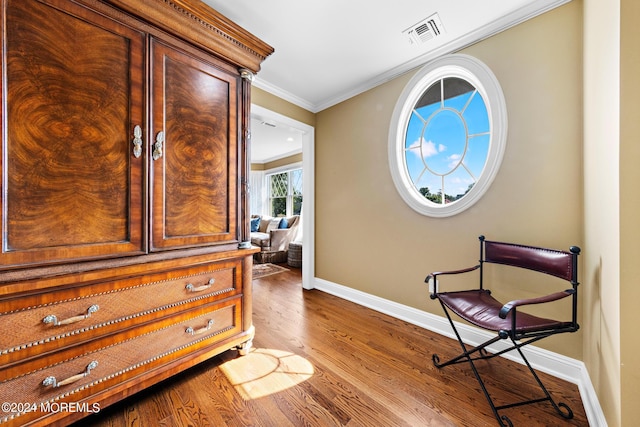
column 603, row 232
column 368, row 239
column 296, row 158
column 280, row 106
column 629, row 211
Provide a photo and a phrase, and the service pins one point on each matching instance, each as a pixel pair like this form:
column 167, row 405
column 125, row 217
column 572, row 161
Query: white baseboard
column 566, row 368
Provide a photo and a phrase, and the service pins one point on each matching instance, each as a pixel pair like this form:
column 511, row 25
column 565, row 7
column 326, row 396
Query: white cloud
column 461, row 181
column 428, row 148
column 454, row 159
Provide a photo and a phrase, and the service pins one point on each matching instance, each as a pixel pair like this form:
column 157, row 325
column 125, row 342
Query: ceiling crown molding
column 508, row 21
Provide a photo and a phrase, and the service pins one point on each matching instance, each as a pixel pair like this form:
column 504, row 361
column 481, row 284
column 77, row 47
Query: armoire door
column 194, row 149
column 73, row 94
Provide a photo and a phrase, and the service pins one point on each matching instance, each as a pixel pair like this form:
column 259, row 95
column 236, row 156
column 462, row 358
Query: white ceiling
column 328, row 51
column 272, row 139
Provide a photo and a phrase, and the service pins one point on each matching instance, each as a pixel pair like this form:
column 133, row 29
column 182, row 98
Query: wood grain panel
column 69, row 107
column 197, row 133
column 195, row 180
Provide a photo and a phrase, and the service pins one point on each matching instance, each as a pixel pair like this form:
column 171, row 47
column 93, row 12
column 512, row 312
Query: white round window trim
column 479, row 75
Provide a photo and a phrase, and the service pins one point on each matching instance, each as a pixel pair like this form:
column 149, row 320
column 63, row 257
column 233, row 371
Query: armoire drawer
column 65, row 376
column 74, row 315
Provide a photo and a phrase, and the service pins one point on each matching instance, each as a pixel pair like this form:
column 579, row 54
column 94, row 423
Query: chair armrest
column 438, row 273
column 504, row 311
column 280, row 238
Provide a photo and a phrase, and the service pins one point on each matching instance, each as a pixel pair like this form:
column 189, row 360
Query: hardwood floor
column 319, row 360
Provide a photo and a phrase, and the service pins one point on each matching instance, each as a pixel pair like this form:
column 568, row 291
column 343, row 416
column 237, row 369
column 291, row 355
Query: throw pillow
column 273, row 225
column 264, row 223
column 283, row 223
column 255, row 224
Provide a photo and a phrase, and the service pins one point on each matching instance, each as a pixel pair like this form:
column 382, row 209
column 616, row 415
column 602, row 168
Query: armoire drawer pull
column 191, row 288
column 192, row 331
column 51, row 381
column 52, row 318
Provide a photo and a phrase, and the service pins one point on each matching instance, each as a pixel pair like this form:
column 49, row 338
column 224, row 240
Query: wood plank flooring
column 319, row 360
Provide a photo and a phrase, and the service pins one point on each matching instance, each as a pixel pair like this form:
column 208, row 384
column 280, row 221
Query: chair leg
column 561, row 408
column 568, row 414
column 466, row 357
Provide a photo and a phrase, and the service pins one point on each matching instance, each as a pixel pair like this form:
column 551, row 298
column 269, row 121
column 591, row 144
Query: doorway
column 306, row 134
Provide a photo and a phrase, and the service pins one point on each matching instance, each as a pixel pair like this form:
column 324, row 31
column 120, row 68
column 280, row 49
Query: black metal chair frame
column 479, row 308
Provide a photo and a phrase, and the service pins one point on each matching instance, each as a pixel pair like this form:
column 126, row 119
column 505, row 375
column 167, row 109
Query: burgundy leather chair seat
column 481, row 309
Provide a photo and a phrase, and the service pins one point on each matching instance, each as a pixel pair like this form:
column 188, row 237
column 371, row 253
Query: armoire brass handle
column 192, row 288
column 51, row 381
column 137, row 141
column 204, row 329
column 53, row 319
column 157, row 146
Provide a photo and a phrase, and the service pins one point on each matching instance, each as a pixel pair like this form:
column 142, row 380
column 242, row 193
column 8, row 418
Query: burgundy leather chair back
column 556, row 263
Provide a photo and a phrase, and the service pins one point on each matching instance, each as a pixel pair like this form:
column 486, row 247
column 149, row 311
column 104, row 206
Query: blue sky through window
column 447, row 143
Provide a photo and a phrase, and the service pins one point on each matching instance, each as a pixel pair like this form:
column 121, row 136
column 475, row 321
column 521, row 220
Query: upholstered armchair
column 272, row 236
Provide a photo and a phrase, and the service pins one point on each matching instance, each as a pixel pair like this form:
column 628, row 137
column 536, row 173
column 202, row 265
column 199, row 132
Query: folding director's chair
column 478, row 307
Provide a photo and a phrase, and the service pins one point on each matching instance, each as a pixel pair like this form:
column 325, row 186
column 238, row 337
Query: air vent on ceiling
column 425, row 30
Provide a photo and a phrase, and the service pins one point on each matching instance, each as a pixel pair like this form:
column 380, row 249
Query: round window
column 447, row 135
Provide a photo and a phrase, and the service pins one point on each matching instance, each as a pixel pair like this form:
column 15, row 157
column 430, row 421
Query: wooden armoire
column 126, row 255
